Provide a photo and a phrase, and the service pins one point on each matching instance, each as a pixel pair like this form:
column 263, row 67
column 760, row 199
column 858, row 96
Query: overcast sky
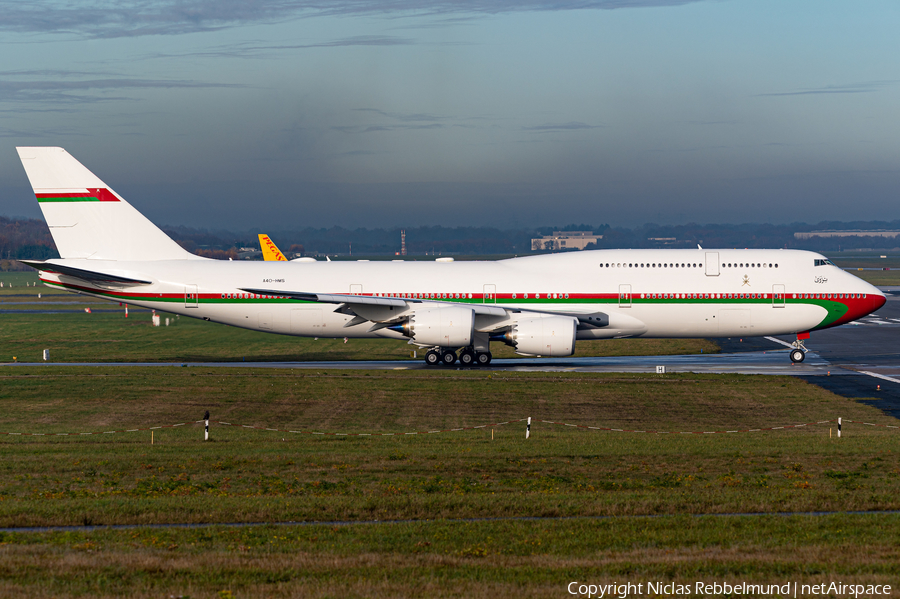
column 288, row 113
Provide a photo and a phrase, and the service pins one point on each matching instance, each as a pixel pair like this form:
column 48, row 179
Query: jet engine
column 449, row 326
column 542, row 336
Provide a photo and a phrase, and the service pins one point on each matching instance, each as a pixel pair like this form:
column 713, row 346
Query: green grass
column 449, row 559
column 870, row 260
column 642, row 484
column 882, row 278
column 252, row 475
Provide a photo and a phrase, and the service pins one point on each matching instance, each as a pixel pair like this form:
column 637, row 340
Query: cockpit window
column 824, row 262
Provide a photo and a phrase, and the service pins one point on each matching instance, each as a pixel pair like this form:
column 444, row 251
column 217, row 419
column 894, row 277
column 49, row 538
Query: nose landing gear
column 798, row 354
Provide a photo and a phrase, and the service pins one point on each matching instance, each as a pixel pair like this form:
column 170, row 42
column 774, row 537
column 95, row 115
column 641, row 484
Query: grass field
column 105, row 335
column 853, row 261
column 646, row 484
column 610, row 506
column 449, row 559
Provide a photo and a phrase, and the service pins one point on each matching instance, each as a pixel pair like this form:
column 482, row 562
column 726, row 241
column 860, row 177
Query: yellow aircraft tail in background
column 270, row 251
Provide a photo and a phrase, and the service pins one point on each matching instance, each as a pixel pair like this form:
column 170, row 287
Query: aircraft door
column 778, row 296
column 355, row 289
column 712, row 264
column 624, row 296
column 191, row 297
column 490, row 294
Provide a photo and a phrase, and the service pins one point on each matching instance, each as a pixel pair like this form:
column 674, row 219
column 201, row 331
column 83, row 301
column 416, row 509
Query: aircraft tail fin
column 87, row 219
column 270, row 251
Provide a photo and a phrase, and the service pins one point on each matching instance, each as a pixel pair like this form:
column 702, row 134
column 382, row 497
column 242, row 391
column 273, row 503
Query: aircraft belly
column 720, row 320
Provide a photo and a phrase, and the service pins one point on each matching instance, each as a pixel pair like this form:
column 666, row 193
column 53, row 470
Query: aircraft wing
column 330, row 298
column 91, row 276
column 366, row 300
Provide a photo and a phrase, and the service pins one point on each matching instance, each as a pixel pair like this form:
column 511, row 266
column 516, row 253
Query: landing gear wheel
column 448, row 358
column 432, row 358
column 467, row 358
column 483, row 359
column 797, row 356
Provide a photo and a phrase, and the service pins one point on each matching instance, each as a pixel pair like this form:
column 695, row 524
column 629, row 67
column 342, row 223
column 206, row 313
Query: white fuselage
column 633, row 293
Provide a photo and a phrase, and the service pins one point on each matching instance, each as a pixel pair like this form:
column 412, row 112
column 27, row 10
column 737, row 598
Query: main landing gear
column 447, row 357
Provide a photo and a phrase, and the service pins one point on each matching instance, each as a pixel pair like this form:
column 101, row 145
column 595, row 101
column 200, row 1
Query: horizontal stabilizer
column 91, row 276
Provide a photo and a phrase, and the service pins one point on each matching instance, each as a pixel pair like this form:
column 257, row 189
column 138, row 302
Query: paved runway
column 852, row 360
column 863, row 357
column 761, row 362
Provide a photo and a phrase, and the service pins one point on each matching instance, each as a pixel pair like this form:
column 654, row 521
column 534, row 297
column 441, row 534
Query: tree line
column 30, row 239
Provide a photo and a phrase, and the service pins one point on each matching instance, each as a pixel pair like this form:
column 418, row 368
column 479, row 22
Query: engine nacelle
column 543, row 336
column 445, row 327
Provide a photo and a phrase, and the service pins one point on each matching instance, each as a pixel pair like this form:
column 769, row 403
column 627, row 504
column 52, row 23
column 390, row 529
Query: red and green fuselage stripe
column 91, row 195
column 838, row 311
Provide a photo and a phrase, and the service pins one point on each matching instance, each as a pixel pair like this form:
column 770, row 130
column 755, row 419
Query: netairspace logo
column 788, row 589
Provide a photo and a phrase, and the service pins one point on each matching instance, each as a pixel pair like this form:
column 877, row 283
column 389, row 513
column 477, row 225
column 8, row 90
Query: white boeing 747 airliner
column 540, row 305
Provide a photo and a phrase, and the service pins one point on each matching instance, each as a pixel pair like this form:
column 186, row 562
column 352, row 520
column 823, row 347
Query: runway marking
column 784, row 343
column 879, row 376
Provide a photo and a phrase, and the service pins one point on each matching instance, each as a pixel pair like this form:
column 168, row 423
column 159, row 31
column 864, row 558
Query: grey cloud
column 359, row 40
column 357, row 153
column 49, row 73
column 111, row 18
column 375, row 128
column 52, row 134
column 401, row 121
column 404, row 117
column 422, row 120
column 733, row 122
column 848, row 88
column 84, row 90
column 255, row 50
column 6, row 132
column 551, row 127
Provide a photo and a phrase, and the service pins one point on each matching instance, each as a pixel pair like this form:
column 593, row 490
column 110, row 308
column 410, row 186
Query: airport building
column 565, row 240
column 852, row 233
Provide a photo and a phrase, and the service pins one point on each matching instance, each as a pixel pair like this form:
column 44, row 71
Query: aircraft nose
column 878, row 300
